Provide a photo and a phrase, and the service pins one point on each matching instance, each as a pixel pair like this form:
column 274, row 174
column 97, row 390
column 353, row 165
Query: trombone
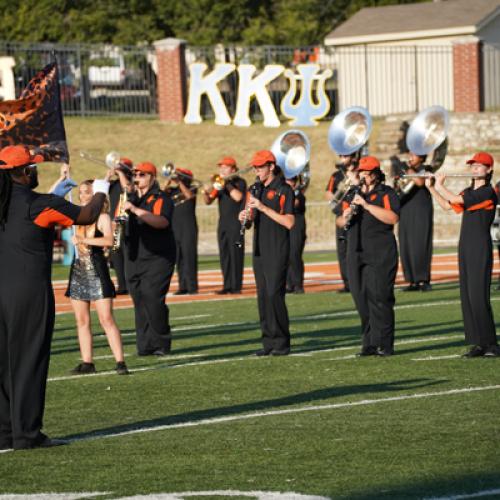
column 112, row 159
column 220, row 182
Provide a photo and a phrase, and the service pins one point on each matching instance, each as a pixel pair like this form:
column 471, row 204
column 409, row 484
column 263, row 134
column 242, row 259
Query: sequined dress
column 89, row 278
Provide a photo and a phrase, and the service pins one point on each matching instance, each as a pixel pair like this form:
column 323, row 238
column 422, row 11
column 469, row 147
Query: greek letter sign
column 302, row 110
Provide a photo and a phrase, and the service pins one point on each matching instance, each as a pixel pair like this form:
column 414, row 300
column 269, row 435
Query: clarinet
column 349, row 219
column 255, row 190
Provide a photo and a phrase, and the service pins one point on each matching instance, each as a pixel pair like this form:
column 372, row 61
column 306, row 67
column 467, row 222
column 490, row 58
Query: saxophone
column 121, row 218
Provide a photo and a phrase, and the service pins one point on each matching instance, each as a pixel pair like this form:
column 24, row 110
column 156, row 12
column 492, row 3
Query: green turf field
column 424, row 423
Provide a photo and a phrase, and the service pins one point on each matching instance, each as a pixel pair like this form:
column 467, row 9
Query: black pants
column 270, row 277
column 186, row 241
column 295, row 274
column 372, row 287
column 231, row 257
column 148, row 284
column 342, row 254
column 26, row 326
column 475, row 265
column 118, row 264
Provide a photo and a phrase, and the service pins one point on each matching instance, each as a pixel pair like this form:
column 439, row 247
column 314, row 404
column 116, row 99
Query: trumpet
column 218, row 182
column 112, row 159
column 173, row 174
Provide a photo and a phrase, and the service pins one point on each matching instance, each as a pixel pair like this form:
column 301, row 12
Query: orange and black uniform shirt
column 142, row 240
column 478, row 211
column 26, row 242
column 230, row 209
column 369, row 234
column 272, row 240
column 335, row 179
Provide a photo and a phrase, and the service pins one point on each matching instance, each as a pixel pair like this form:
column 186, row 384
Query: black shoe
column 122, row 292
column 289, row 290
column 50, row 443
column 181, row 292
column 492, row 351
column 280, row 352
column 412, row 287
column 161, row 352
column 263, row 352
column 145, row 353
column 224, row 291
column 344, row 290
column 83, row 369
column 235, row 292
column 192, row 292
column 475, row 351
column 121, row 368
column 367, row 351
column 299, row 290
column 384, row 352
column 425, row 287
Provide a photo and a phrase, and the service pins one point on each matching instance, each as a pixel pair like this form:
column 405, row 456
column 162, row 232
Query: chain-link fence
column 94, row 79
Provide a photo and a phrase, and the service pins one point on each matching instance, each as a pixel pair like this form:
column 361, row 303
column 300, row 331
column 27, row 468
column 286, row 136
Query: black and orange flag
column 35, row 119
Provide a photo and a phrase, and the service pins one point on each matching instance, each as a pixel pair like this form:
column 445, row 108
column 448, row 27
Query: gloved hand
column 100, row 186
column 64, row 187
column 218, row 186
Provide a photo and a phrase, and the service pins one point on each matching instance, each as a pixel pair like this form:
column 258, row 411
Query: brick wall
column 467, row 77
column 171, row 79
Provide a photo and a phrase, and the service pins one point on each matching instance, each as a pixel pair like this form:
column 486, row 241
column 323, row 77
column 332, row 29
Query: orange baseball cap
column 127, row 162
column 368, row 163
column 17, row 156
column 484, row 158
column 227, row 160
column 184, row 171
column 261, row 158
column 146, row 167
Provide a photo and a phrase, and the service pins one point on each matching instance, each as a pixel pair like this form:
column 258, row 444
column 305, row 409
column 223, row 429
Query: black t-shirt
column 299, row 204
column 335, row 180
column 185, row 210
column 26, row 241
column 144, row 241
column 367, row 233
column 229, row 209
column 272, row 240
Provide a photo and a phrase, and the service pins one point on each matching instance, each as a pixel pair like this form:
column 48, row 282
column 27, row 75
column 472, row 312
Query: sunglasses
column 139, row 174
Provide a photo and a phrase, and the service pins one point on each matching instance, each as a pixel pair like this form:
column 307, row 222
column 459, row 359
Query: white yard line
column 291, row 411
column 478, row 494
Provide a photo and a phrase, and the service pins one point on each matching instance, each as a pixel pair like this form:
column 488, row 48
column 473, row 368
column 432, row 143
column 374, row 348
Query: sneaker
column 83, row 369
column 121, row 368
column 384, row 352
column 367, row 351
column 474, row 352
column 161, row 352
column 492, row 351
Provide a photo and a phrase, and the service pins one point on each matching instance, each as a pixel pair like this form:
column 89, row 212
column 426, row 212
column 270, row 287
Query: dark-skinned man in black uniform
column 271, row 210
column 185, row 230
column 231, row 195
column 27, row 309
column 295, row 273
column 149, row 258
column 416, row 222
column 337, row 181
column 372, row 256
column 477, row 205
column 116, row 256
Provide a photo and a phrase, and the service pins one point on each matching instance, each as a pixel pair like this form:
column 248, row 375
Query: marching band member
column 27, row 311
column 149, row 258
column 272, row 213
column 231, row 196
column 295, row 274
column 416, row 221
column 89, row 281
column 477, row 204
column 185, row 231
column 116, row 256
column 372, row 256
column 347, row 163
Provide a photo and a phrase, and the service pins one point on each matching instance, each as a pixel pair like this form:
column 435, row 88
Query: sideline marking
column 484, row 493
column 271, row 413
column 437, row 358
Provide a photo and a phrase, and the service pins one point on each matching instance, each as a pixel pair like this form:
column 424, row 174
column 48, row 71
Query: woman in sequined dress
column 89, row 281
